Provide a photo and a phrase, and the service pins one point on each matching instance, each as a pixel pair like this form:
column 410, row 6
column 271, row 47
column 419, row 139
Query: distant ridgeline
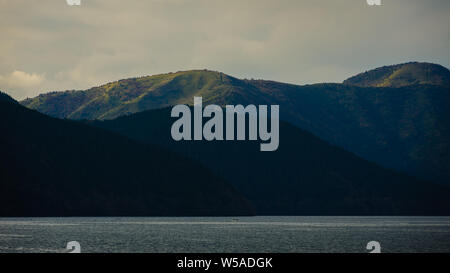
column 397, row 116
column 403, row 75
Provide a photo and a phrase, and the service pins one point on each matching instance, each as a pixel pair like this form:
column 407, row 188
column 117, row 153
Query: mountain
column 52, row 167
column 403, row 75
column 404, row 128
column 6, row 98
column 137, row 94
column 305, row 176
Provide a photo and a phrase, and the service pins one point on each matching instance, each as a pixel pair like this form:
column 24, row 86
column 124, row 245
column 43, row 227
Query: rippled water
column 223, row 234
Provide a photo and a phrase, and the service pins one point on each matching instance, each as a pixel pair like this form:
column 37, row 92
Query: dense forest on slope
column 51, row 167
column 305, row 176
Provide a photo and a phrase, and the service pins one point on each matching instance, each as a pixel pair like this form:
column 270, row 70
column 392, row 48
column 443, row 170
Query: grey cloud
column 292, row 41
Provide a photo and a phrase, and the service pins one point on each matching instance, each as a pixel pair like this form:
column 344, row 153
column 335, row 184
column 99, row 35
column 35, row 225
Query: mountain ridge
column 405, row 128
column 128, row 96
column 406, row 74
column 6, row 98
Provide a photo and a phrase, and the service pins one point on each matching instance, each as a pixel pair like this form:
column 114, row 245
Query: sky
column 47, row 45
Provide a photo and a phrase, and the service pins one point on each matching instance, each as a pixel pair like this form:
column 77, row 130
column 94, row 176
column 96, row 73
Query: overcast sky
column 47, row 45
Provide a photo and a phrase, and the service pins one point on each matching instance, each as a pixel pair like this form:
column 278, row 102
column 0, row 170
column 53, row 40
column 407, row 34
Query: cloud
column 287, row 40
column 21, row 79
column 21, row 83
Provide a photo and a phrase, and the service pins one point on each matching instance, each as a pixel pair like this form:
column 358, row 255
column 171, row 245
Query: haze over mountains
column 397, row 116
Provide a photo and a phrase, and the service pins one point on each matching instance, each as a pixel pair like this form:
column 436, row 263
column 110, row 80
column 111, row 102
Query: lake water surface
column 225, row 234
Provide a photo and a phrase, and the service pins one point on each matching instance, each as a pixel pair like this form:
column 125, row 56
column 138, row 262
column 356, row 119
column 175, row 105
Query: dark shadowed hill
column 406, row 128
column 305, row 176
column 403, row 125
column 51, row 167
column 6, row 98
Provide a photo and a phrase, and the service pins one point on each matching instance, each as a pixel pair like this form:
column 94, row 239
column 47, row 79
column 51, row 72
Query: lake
column 262, row 234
